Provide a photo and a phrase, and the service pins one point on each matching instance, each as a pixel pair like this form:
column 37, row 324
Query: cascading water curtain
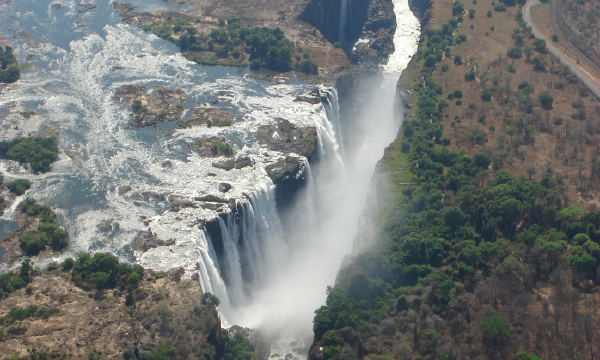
column 254, row 244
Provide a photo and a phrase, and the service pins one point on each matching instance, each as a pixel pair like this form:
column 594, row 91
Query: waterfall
column 250, row 246
column 332, row 108
column 343, row 17
column 210, row 277
column 250, row 237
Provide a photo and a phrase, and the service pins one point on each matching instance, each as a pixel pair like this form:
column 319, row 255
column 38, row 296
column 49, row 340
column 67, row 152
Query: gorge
column 264, row 229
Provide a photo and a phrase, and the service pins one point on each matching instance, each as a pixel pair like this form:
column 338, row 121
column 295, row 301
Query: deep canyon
column 264, row 228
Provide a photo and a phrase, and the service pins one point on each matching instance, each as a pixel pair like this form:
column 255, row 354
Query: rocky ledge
column 72, row 322
column 287, row 138
column 151, row 105
column 376, row 41
column 147, row 240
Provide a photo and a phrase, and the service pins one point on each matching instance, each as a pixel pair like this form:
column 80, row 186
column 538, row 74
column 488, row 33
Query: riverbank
column 479, row 229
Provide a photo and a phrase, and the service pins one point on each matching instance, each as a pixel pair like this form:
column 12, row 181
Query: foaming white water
column 406, row 38
column 71, row 89
column 322, row 224
column 270, row 270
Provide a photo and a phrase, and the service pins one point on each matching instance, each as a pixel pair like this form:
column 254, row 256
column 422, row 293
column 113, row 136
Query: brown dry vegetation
column 84, row 321
column 541, row 303
column 565, row 138
column 579, row 21
column 541, row 17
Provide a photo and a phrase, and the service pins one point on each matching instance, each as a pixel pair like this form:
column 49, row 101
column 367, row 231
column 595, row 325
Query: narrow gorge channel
column 265, row 230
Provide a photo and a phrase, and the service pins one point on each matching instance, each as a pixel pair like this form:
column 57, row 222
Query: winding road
column 593, row 82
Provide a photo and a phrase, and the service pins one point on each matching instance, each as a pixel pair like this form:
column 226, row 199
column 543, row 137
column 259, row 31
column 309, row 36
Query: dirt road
column 593, row 82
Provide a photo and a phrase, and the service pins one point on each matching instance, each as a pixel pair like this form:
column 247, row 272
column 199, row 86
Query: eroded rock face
column 288, row 175
column 288, row 138
column 82, row 324
column 149, row 106
column 86, row 7
column 325, row 15
column 205, row 116
column 123, row 7
column 146, row 240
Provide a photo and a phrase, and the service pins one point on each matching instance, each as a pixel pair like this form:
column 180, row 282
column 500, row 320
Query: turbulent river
column 270, row 270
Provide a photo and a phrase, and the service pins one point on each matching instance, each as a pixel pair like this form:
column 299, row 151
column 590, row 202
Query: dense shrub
column 457, row 8
column 546, row 100
column 15, row 280
column 9, row 67
column 308, row 67
column 539, row 45
column 104, row 271
column 38, row 152
column 18, row 186
column 515, row 53
column 48, row 233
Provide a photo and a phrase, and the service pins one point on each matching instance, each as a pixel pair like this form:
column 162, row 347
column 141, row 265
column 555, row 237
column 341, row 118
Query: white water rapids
column 270, row 270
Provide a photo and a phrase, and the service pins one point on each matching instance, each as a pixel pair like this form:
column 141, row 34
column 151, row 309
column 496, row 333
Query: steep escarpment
column 338, row 20
column 421, row 9
column 485, row 242
column 94, row 307
column 345, row 21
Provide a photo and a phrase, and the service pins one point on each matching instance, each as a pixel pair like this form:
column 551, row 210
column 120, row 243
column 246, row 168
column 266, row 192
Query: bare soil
column 84, row 324
column 563, row 144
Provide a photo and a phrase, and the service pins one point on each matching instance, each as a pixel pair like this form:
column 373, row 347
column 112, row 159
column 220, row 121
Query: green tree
column 539, row 45
column 522, row 355
column 454, row 217
column 430, row 61
column 18, row 314
column 210, row 299
column 19, row 186
column 546, row 100
column 590, row 17
column 495, row 329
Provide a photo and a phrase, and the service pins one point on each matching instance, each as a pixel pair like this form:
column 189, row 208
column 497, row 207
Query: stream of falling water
column 270, row 270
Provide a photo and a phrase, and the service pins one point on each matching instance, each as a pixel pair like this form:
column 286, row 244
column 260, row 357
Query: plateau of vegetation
column 48, row 233
column 38, row 152
column 19, row 186
column 233, row 44
column 469, row 259
column 15, row 279
column 170, row 331
column 9, row 67
column 579, row 23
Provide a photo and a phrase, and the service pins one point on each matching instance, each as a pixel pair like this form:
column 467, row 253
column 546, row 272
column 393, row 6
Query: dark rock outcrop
column 146, row 240
column 288, row 175
column 157, row 104
column 288, row 138
column 326, row 16
column 374, row 20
